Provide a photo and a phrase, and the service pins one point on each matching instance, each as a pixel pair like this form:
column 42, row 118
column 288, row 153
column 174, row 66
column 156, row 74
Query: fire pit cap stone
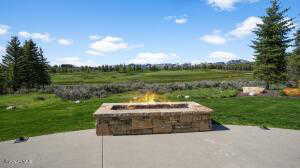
column 108, row 110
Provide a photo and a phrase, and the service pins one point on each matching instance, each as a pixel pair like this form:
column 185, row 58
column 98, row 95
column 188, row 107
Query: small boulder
column 252, row 94
column 292, row 91
column 10, row 107
column 253, row 90
column 77, row 102
column 186, row 97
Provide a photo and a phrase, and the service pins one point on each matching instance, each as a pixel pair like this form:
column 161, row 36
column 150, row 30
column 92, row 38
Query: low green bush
column 77, row 92
column 206, row 93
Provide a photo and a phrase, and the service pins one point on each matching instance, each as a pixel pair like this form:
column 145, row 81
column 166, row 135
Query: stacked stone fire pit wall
column 153, row 118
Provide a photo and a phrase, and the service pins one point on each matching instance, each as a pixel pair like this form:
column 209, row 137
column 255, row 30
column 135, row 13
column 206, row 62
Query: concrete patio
column 238, row 146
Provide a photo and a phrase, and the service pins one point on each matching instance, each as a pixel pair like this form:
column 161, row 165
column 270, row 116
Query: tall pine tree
column 294, row 60
column 12, row 64
column 30, row 64
column 2, row 79
column 23, row 66
column 297, row 43
column 44, row 77
column 271, row 43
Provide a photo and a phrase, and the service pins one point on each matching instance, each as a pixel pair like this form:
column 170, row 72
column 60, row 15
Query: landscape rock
column 252, row 94
column 77, row 102
column 252, row 91
column 292, row 91
column 10, row 107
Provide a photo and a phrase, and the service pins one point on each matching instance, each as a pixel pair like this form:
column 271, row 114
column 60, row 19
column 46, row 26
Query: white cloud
column 222, row 4
column 24, row 34
column 213, row 39
column 94, row 37
column 246, row 27
column 154, row 58
column 65, row 42
column 74, row 61
column 181, row 21
column 92, row 52
column 110, row 44
column 4, row 29
column 38, row 36
column 221, row 56
column 177, row 19
column 227, row 4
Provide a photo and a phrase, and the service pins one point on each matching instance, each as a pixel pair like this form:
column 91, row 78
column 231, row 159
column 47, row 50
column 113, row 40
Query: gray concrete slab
column 240, row 146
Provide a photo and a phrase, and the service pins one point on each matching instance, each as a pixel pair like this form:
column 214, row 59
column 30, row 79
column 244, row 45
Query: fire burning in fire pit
column 149, row 97
column 149, row 106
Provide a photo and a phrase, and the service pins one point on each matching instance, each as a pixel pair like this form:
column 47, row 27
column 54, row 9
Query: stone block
column 184, row 128
column 203, row 125
column 205, row 117
column 160, row 127
column 141, row 124
column 120, row 129
column 141, row 131
column 162, row 130
column 103, row 129
column 253, row 90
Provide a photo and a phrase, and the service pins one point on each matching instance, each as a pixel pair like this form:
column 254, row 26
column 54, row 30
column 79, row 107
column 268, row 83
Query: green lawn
column 38, row 117
column 280, row 112
column 148, row 77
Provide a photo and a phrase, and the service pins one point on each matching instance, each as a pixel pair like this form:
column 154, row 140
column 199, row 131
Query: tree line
column 23, row 66
column 123, row 68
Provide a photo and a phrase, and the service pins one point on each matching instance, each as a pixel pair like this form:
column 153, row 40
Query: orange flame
column 149, row 97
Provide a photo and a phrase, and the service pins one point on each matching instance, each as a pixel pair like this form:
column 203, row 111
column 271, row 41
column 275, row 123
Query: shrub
column 76, row 92
column 73, row 92
column 203, row 93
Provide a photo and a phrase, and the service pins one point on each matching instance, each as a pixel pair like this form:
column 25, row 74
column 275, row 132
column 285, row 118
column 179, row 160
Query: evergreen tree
column 44, row 77
column 12, row 64
column 271, row 43
column 30, row 62
column 2, row 79
column 297, row 43
column 294, row 60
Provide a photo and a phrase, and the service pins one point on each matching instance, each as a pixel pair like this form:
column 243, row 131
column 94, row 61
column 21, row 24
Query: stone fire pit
column 152, row 118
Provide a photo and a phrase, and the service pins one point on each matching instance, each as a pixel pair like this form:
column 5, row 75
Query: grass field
column 34, row 116
column 148, row 77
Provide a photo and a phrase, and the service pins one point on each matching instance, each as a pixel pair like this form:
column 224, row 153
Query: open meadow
column 147, row 77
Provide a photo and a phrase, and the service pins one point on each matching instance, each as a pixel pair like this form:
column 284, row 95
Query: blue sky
column 97, row 32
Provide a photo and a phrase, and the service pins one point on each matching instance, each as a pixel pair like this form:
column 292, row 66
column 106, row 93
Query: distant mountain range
column 231, row 62
column 240, row 61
